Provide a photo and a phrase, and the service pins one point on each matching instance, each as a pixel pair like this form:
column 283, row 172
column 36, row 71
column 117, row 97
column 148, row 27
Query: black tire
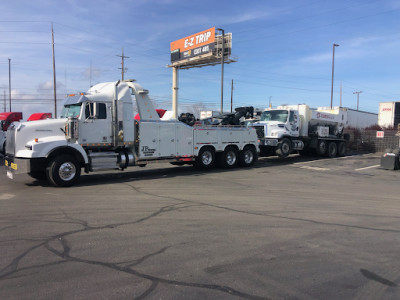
column 321, row 147
column 229, row 158
column 3, row 151
column 39, row 175
column 205, row 159
column 63, row 170
column 247, row 157
column 341, row 151
column 284, row 148
column 332, row 150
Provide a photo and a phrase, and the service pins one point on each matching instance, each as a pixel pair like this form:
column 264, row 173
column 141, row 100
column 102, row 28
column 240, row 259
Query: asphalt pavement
column 294, row 228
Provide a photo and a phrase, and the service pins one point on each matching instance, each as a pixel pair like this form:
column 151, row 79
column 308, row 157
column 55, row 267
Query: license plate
column 10, row 175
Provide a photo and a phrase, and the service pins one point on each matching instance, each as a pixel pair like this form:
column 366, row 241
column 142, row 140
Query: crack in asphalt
column 127, row 269
column 263, row 214
column 12, row 268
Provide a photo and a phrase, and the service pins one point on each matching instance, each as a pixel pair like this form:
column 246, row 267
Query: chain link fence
column 366, row 140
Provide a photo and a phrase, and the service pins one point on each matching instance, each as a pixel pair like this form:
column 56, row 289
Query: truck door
column 294, row 123
column 95, row 127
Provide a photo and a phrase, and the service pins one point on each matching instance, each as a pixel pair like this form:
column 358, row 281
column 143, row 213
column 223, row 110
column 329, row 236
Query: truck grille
column 260, row 131
column 10, row 141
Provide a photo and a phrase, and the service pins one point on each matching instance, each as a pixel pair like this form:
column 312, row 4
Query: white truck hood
column 26, row 133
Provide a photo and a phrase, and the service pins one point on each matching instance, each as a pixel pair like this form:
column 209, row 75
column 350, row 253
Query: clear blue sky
column 284, row 50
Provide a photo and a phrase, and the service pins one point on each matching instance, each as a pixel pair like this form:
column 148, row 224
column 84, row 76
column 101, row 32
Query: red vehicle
column 6, row 118
column 39, row 116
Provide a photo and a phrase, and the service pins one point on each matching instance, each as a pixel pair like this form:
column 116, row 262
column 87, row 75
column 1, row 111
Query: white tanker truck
column 290, row 128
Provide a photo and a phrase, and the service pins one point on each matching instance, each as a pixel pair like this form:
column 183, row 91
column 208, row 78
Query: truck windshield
column 73, row 110
column 274, row 115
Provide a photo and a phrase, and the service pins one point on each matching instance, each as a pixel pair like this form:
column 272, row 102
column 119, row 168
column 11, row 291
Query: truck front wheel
column 63, row 170
column 284, row 148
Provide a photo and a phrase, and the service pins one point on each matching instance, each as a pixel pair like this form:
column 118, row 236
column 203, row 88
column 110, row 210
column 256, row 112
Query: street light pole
column 358, row 97
column 333, row 71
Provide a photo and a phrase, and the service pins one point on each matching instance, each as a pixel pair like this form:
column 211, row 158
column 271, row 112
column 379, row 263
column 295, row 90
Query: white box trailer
column 289, row 128
column 97, row 131
column 355, row 118
column 389, row 114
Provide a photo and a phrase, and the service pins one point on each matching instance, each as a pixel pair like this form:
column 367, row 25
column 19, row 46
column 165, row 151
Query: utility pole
column 340, row 94
column 54, row 73
column 333, row 70
column 122, row 64
column 358, row 97
column 270, row 103
column 9, row 80
column 231, row 95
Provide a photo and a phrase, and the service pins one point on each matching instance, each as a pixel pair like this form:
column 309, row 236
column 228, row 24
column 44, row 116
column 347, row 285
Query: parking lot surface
column 294, row 228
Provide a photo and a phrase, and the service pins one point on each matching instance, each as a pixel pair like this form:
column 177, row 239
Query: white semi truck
column 97, row 131
column 290, row 128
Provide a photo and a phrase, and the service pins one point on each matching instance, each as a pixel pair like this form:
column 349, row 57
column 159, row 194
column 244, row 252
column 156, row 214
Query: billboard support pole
column 222, row 69
column 175, row 92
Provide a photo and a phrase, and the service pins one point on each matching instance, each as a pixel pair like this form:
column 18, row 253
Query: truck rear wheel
column 341, row 149
column 205, row 159
column 229, row 158
column 63, row 171
column 321, row 147
column 332, row 150
column 247, row 157
column 284, row 148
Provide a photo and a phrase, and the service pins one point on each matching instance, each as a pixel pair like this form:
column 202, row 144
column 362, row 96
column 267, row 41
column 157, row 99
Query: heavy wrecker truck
column 97, row 131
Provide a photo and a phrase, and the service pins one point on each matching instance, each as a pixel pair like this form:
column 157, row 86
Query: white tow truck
column 97, row 131
column 289, row 128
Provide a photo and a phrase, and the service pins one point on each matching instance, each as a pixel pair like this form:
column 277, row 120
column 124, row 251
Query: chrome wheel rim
column 67, row 171
column 248, row 157
column 230, row 158
column 206, row 158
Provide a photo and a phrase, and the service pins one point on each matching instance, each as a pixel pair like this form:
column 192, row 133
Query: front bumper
column 16, row 166
column 268, row 142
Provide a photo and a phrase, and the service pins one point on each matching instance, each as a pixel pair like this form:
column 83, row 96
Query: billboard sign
column 194, row 45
